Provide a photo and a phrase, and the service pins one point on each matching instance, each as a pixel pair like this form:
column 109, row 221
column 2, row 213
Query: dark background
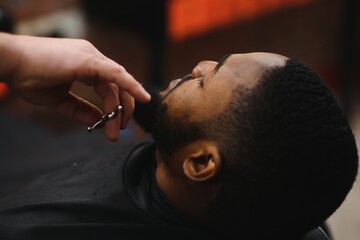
column 324, row 34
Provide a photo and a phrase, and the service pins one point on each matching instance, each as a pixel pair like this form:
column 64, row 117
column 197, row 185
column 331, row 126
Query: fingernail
column 147, row 95
column 144, row 92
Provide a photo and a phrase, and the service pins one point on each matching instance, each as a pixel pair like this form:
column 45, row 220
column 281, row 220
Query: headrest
column 316, row 234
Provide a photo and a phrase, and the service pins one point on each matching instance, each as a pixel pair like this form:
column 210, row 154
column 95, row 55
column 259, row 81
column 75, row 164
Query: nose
column 202, row 68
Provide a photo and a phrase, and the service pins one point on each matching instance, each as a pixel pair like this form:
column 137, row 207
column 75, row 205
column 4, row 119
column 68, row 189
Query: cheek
column 192, row 103
column 182, row 106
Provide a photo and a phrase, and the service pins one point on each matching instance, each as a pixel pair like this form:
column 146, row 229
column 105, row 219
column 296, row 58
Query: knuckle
column 85, row 43
column 113, row 88
column 121, row 69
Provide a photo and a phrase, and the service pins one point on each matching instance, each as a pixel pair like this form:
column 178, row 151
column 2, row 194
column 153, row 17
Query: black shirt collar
column 140, row 182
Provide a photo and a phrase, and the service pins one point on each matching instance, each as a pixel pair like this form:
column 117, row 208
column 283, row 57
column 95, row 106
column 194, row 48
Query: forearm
column 9, row 57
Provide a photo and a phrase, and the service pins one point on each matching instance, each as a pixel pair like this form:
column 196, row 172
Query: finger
column 127, row 101
column 78, row 108
column 106, row 70
column 109, row 93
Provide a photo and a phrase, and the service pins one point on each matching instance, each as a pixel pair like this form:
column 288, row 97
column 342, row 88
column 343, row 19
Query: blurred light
column 194, row 17
column 4, row 91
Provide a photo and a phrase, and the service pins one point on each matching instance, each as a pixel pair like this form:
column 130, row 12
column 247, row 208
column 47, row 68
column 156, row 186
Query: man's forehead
column 264, row 59
column 246, row 69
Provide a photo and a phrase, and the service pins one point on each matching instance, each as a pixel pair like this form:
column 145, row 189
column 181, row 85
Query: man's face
column 206, row 92
column 201, row 95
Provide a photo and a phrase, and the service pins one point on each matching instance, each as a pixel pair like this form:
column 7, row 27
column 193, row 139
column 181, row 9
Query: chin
column 145, row 114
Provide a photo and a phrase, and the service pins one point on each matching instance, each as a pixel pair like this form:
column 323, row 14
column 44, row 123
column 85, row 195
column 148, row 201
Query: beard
column 169, row 134
column 146, row 115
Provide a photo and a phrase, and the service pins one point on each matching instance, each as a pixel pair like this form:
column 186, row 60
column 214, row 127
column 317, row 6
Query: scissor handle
column 104, row 119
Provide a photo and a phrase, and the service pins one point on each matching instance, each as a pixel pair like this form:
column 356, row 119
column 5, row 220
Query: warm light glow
column 193, row 17
column 4, row 91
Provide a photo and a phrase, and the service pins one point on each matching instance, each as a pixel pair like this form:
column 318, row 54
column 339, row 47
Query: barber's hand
column 44, row 69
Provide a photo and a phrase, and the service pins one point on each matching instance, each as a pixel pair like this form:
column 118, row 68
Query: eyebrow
column 221, row 63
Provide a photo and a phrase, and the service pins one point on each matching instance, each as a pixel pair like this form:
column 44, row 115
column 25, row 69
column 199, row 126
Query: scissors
column 105, row 118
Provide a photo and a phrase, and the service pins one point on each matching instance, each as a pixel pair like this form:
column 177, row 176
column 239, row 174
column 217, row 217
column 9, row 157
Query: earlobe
column 203, row 164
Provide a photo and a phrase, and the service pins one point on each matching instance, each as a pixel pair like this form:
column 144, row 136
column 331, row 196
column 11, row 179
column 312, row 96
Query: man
column 253, row 142
column 249, row 147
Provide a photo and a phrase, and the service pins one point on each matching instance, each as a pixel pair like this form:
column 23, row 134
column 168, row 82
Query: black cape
column 105, row 196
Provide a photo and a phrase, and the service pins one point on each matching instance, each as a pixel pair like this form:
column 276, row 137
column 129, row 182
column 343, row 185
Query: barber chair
column 316, row 234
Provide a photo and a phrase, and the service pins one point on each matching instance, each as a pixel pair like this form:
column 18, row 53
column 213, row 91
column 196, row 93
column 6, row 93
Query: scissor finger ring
column 105, row 118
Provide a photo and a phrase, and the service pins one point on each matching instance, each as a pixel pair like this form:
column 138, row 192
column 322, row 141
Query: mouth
column 173, row 84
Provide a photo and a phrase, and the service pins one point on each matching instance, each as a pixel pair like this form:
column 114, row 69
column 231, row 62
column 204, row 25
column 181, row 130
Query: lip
column 173, row 84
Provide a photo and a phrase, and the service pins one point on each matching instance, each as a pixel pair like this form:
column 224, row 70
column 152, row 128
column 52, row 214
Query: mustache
column 183, row 79
column 186, row 77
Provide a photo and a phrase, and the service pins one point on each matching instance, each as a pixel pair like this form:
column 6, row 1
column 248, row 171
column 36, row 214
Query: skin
column 42, row 71
column 186, row 175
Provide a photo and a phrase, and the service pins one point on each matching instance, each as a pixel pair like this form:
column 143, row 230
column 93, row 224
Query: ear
column 203, row 161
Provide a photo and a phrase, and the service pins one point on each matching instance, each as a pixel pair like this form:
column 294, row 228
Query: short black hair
column 289, row 155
